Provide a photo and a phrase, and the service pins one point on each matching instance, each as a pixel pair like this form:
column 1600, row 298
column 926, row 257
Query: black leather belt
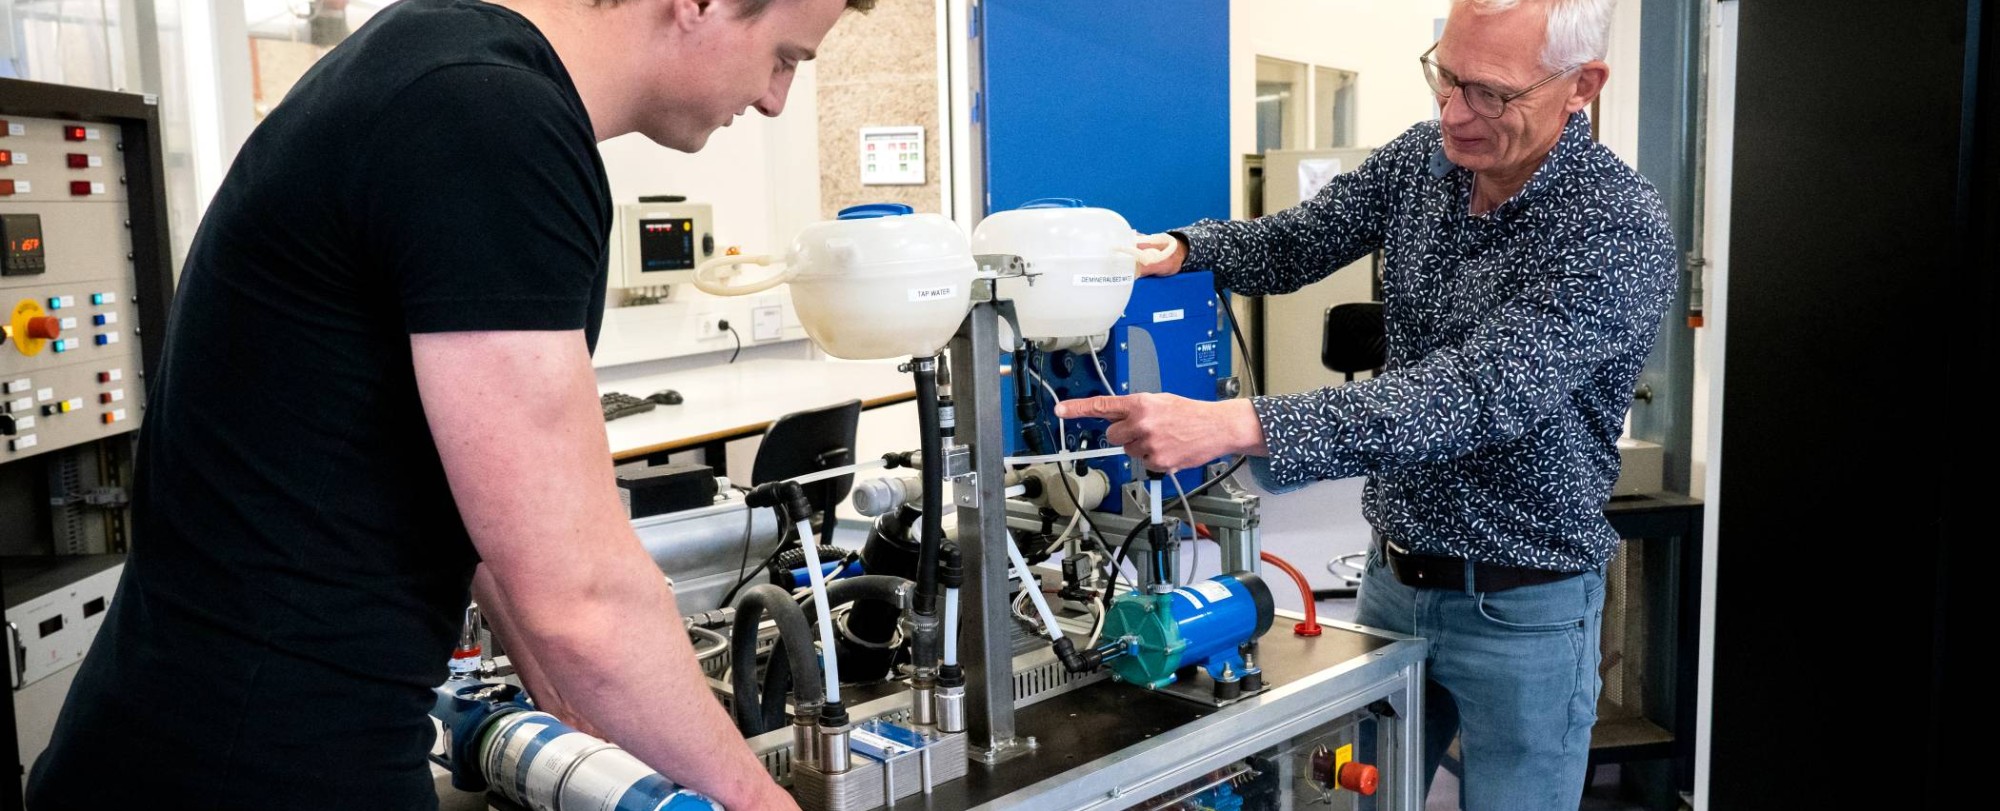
column 1441, row 572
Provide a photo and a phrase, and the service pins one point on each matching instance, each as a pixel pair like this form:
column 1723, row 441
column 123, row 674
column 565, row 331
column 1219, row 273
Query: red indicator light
column 6, row 157
column 79, row 188
column 78, row 160
column 6, row 187
column 74, row 133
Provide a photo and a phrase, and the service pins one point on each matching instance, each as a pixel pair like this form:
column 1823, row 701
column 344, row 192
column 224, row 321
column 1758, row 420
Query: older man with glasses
column 1526, row 271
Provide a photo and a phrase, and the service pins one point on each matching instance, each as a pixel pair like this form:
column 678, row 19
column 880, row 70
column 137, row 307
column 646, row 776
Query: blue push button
column 103, row 340
column 60, row 345
column 98, row 320
column 97, row 298
column 55, row 302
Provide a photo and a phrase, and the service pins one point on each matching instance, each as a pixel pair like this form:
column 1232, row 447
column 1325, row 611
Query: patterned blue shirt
column 1515, row 340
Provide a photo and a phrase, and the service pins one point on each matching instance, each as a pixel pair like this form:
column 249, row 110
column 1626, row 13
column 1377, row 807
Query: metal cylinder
column 923, row 703
column 540, row 762
column 951, row 709
column 805, row 746
column 835, row 755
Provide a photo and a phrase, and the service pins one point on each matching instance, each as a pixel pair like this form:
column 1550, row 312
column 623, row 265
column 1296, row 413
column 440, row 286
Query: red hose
column 1311, row 626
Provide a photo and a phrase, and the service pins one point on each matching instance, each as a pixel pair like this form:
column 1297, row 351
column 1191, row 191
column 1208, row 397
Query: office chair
column 1355, row 340
column 805, row 442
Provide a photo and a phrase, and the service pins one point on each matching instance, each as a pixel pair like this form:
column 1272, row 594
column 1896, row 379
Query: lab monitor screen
column 666, row 243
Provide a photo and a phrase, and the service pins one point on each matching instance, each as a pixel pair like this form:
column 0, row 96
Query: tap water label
column 1163, row 316
column 1100, row 279
column 1215, row 592
column 1205, row 354
column 933, row 293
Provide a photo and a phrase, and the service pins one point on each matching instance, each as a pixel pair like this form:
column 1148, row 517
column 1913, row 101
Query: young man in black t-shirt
column 377, row 391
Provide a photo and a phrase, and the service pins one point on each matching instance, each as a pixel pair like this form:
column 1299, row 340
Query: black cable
column 768, row 560
column 724, row 324
column 1250, row 378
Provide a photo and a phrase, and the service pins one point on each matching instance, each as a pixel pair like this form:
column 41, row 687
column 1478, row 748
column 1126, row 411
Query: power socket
column 711, row 325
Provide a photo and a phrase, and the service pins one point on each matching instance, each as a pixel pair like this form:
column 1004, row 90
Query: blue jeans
column 1513, row 673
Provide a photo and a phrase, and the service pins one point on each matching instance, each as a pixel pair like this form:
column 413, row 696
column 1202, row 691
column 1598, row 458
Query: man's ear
column 1590, row 79
column 690, row 13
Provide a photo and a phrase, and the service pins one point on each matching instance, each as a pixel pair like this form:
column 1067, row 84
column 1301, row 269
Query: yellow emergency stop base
column 17, row 327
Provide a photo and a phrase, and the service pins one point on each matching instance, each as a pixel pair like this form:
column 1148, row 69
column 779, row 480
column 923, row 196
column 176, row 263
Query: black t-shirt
column 298, row 566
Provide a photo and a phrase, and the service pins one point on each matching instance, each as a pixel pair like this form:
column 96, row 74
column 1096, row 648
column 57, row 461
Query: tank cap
column 867, row 211
column 1054, row 202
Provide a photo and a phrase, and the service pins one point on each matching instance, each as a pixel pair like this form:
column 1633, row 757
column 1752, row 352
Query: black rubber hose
column 933, row 464
column 881, row 587
column 794, row 636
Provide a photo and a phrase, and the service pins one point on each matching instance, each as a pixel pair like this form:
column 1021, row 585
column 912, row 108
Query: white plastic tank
column 878, row 282
column 1082, row 259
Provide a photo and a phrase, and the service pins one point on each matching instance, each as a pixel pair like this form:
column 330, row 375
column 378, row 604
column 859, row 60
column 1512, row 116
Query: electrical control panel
column 658, row 242
column 70, row 363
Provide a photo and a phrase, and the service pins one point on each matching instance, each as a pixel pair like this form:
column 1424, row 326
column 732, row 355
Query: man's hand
column 1169, row 433
column 1161, row 255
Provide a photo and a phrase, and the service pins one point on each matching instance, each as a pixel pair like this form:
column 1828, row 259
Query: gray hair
column 1579, row 30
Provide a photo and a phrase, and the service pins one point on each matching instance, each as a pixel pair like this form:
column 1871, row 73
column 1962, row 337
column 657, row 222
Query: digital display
column 666, row 244
column 23, row 235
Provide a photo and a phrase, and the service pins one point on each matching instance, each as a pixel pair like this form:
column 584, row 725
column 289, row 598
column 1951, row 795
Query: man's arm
column 548, row 697
column 1283, row 251
column 522, row 440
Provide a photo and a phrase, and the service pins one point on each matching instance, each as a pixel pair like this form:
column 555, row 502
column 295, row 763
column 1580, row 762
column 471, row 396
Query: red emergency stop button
column 47, row 327
column 1358, row 777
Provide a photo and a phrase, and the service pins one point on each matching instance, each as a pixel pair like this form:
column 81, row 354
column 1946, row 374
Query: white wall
column 761, row 178
column 1618, row 105
column 1379, row 39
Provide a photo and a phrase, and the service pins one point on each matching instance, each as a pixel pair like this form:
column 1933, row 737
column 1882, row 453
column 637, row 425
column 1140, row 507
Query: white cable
column 951, row 626
column 1062, row 434
column 1095, row 363
column 829, row 664
column 1034, row 590
column 1194, row 536
column 831, row 473
column 1069, row 456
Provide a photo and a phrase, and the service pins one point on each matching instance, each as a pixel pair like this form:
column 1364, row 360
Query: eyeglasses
column 1479, row 98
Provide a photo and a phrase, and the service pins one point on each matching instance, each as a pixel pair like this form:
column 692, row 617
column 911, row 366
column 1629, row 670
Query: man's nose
column 1453, row 111
column 773, row 102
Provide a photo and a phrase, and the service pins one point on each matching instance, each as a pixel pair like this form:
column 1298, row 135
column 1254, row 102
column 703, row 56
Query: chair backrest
column 1355, row 339
column 808, row 441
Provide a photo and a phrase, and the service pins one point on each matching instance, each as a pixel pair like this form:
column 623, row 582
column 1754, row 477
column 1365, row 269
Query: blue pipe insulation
column 829, row 570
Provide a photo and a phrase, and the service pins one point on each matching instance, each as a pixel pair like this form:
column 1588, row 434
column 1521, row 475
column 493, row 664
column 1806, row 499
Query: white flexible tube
column 1194, row 536
column 1093, row 453
column 1101, row 377
column 951, row 626
column 1062, row 433
column 1153, row 490
column 1034, row 590
column 829, row 663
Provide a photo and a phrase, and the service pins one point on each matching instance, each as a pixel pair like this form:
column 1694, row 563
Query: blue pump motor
column 1200, row 624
